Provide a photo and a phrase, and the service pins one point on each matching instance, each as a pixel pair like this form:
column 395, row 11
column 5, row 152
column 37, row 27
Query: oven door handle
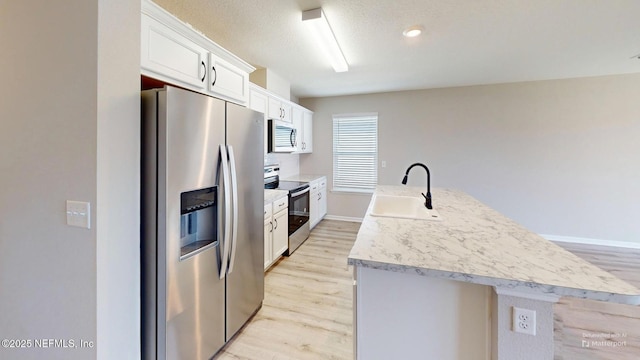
column 306, row 190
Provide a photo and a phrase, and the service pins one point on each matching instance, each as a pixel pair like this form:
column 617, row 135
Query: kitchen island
column 445, row 289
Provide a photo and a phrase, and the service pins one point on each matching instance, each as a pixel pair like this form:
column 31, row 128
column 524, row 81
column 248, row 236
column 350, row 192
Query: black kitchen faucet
column 427, row 197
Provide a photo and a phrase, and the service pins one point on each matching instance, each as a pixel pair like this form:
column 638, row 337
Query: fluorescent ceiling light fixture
column 317, row 23
column 413, row 31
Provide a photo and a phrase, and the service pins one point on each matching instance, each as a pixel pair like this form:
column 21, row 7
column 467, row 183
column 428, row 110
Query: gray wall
column 559, row 156
column 118, row 180
column 70, row 84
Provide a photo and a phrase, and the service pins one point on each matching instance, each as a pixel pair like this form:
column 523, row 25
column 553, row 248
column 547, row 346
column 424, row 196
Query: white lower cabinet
column 268, row 236
column 314, row 207
column 322, row 199
column 280, row 233
column 276, row 230
column 317, row 201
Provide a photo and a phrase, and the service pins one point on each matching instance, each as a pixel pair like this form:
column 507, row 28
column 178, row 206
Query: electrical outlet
column 524, row 321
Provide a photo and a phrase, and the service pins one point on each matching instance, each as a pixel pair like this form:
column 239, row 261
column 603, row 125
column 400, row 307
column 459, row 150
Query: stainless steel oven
column 299, row 223
column 299, row 227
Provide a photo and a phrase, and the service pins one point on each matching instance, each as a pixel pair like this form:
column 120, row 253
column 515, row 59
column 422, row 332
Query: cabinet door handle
column 215, row 77
column 204, row 67
column 276, row 221
column 271, row 222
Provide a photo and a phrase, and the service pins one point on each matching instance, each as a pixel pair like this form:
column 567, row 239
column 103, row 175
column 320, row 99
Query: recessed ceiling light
column 413, row 31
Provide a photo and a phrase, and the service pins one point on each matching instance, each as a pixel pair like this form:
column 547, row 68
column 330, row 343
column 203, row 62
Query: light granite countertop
column 304, row 177
column 271, row 195
column 476, row 244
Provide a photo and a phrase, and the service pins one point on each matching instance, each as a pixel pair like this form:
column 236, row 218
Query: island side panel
column 407, row 316
column 508, row 344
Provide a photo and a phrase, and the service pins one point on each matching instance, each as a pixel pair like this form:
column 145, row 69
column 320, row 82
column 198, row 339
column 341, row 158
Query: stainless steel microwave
column 282, row 137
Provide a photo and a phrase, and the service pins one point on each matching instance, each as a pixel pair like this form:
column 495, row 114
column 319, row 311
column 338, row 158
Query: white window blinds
column 355, row 152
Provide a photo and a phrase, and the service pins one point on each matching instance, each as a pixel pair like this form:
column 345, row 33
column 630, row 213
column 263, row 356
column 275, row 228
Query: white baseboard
column 343, row 218
column 587, row 241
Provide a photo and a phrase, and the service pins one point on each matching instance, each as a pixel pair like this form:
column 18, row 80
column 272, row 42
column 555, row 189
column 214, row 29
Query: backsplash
column 289, row 163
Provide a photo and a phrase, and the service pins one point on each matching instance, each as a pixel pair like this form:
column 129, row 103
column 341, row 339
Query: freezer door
column 191, row 127
column 245, row 278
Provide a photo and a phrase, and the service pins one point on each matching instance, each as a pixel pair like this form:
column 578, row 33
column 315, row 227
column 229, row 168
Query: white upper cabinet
column 173, row 52
column 279, row 109
column 226, row 79
column 168, row 54
column 259, row 101
column 297, row 117
column 303, row 121
column 306, row 138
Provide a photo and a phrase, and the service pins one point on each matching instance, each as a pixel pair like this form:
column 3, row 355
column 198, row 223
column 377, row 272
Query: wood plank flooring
column 576, row 319
column 307, row 310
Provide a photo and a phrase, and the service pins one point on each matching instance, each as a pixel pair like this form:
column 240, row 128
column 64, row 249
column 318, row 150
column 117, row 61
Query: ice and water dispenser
column 198, row 220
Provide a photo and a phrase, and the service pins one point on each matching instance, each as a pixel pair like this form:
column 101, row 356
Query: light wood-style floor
column 307, row 310
column 576, row 320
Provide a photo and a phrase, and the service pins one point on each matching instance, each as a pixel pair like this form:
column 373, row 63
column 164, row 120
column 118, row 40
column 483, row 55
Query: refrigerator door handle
column 227, row 211
column 234, row 192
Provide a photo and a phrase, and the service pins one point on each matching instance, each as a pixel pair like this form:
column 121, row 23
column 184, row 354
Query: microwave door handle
column 234, row 203
column 227, row 211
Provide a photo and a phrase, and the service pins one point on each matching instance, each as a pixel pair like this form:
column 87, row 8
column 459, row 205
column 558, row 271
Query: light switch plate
column 79, row 214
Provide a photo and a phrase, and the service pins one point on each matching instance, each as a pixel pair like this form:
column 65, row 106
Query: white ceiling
column 466, row 42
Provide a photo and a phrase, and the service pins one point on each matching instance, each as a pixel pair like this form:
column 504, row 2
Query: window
column 355, row 152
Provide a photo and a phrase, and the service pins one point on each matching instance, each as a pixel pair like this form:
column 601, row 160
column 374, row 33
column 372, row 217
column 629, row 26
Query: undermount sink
column 406, row 207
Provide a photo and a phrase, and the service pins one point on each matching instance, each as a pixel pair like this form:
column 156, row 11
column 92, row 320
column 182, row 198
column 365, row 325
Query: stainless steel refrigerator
column 202, row 222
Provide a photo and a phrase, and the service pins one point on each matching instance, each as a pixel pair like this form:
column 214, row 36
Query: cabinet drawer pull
column 204, row 67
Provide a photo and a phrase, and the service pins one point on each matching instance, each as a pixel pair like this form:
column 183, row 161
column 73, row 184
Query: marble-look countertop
column 476, row 244
column 271, row 195
column 304, row 177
